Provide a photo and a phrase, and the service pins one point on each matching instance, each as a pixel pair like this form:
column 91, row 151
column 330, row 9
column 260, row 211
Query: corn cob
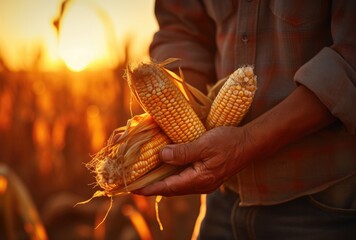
column 162, row 99
column 114, row 173
column 233, row 100
column 132, row 151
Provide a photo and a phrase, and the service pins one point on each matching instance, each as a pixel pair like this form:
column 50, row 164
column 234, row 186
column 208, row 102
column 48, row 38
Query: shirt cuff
column 333, row 81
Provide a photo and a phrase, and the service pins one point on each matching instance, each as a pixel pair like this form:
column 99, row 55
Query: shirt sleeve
column 331, row 73
column 185, row 32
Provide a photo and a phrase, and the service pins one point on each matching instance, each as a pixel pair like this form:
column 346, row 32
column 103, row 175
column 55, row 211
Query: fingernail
column 167, row 154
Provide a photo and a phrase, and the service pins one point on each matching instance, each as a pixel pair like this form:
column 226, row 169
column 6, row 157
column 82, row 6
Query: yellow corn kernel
column 113, row 173
column 234, row 99
column 131, row 152
column 162, row 99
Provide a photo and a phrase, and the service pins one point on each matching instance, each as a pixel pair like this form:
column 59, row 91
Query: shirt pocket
column 219, row 10
column 298, row 12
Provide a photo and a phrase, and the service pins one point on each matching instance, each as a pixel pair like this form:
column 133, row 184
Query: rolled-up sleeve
column 185, row 32
column 331, row 73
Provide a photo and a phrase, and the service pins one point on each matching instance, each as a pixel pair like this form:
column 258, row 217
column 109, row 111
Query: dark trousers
column 304, row 218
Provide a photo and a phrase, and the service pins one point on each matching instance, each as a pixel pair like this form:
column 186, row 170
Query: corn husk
column 121, row 151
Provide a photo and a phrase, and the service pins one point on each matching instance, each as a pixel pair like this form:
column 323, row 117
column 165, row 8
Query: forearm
column 300, row 114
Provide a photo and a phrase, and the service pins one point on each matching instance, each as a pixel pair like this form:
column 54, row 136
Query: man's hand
column 210, row 160
column 224, row 151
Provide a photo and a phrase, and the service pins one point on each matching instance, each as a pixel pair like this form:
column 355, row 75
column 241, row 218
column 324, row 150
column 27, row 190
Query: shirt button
column 244, row 38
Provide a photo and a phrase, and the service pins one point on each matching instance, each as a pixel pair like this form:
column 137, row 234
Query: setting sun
column 92, row 33
column 82, row 37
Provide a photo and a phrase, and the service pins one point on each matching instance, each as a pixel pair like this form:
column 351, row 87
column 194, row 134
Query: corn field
column 51, row 123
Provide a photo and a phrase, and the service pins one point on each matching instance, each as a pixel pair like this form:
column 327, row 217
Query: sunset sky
column 92, row 34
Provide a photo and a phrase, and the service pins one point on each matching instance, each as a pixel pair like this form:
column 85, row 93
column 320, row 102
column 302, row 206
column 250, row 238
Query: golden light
column 200, row 217
column 3, row 184
column 93, row 33
column 96, row 128
column 137, row 221
column 82, row 39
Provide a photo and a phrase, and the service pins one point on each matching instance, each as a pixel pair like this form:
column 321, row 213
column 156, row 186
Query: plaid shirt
column 289, row 42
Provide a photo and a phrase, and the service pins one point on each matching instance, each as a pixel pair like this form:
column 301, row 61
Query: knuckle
column 209, row 179
column 180, row 153
column 207, row 183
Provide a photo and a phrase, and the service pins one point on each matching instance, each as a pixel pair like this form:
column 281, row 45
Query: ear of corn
column 162, row 99
column 117, row 171
column 131, row 152
column 234, row 99
column 198, row 101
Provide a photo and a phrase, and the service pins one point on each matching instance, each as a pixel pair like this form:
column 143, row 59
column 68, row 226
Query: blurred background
column 62, row 93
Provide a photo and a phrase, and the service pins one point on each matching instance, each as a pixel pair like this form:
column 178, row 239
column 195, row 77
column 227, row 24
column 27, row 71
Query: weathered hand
column 222, row 152
column 210, row 160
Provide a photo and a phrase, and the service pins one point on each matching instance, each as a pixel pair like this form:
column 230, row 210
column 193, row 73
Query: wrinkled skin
column 224, row 151
column 210, row 160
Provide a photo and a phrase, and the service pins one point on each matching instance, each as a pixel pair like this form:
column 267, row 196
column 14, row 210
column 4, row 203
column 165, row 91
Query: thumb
column 181, row 154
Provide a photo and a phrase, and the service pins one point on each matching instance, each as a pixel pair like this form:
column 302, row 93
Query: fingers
column 209, row 161
column 181, row 184
column 182, row 154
